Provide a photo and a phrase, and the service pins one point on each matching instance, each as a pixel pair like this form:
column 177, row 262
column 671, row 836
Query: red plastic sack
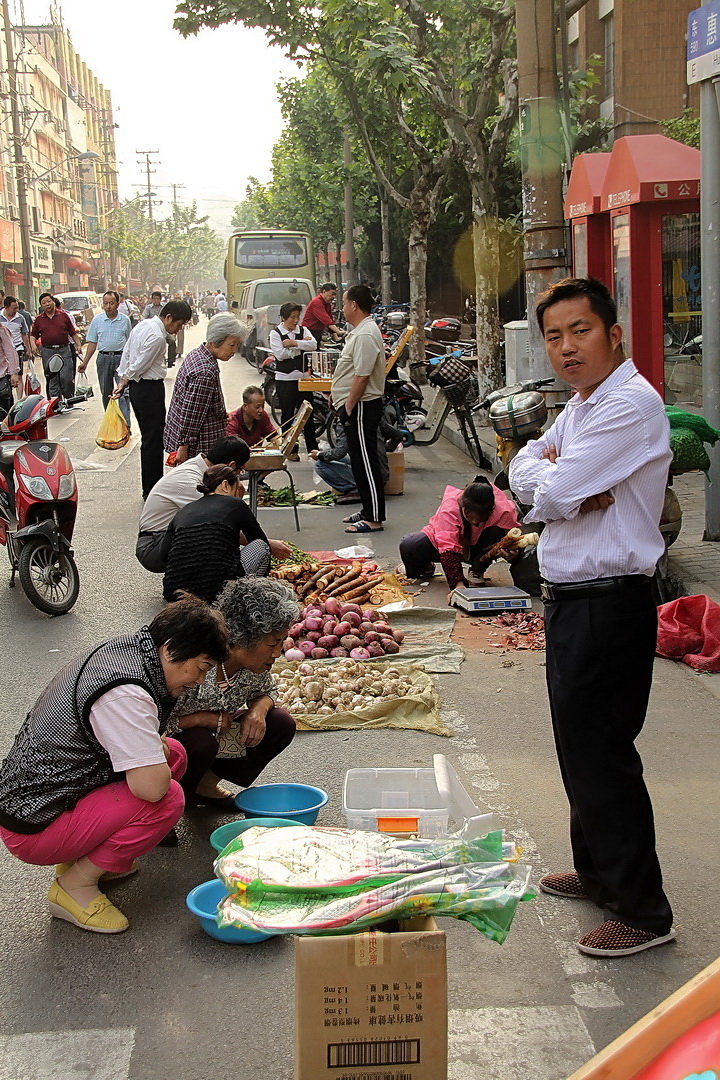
column 689, row 630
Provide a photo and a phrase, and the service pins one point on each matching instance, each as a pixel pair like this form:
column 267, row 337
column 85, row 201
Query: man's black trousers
column 290, row 399
column 147, row 397
column 600, row 653
column 361, row 428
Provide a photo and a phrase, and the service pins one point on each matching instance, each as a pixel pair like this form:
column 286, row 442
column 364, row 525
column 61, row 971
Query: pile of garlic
column 324, row 689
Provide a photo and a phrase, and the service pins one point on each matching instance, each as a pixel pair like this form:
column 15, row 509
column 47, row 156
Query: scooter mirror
column 55, row 364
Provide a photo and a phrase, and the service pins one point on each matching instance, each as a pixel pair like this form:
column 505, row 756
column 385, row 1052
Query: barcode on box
column 388, row 1052
column 376, row 1076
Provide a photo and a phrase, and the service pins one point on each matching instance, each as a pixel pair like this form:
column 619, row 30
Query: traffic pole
column 710, row 284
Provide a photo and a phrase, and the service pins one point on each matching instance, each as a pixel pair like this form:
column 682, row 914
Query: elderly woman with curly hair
column 230, row 726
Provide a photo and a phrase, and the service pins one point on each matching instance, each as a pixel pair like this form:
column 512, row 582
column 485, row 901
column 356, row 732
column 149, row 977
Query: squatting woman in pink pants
column 91, row 782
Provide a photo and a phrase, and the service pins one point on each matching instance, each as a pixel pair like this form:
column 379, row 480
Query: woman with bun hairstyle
column 214, row 539
column 468, row 522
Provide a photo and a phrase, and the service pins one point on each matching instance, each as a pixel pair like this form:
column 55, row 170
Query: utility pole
column 543, row 155
column 19, row 160
column 149, row 195
column 349, row 218
column 385, row 261
column 710, row 283
column 175, row 191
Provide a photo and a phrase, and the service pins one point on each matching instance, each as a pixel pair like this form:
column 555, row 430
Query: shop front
column 635, row 219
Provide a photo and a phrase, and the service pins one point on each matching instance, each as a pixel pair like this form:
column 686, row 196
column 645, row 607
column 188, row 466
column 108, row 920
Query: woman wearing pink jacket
column 468, row 522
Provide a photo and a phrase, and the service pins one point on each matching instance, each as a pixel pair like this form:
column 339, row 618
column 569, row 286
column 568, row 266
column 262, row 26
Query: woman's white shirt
column 125, row 722
column 305, row 343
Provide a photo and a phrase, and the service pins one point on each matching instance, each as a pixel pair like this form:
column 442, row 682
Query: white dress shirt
column 174, row 490
column 617, row 441
column 305, row 343
column 144, row 353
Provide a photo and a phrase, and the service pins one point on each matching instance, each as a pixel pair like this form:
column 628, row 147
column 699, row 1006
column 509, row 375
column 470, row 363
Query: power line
column 149, row 194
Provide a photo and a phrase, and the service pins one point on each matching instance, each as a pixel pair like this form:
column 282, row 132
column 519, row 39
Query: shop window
column 682, row 309
column 621, row 263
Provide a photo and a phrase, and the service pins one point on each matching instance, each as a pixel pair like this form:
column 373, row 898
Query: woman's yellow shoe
column 100, row 916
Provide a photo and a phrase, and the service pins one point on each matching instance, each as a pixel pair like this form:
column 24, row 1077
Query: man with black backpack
column 289, row 343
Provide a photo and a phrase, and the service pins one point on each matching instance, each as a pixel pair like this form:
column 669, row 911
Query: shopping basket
column 451, row 369
column 463, row 394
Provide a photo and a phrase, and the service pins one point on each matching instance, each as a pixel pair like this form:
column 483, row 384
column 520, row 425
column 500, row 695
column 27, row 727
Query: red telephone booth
column 651, row 191
column 591, row 247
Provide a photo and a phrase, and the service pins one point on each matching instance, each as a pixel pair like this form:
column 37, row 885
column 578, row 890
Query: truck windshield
column 278, row 292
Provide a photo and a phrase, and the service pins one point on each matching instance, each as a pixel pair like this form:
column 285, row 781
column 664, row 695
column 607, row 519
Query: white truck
column 259, row 309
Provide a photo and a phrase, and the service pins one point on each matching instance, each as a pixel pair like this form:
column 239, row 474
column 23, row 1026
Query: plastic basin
column 203, row 901
column 299, row 803
column 225, row 833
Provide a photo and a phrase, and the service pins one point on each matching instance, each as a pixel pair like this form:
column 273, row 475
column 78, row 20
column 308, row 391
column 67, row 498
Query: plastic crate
column 407, row 802
column 462, row 395
column 323, row 363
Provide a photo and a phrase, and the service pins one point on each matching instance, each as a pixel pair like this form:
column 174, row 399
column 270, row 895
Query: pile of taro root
column 525, row 630
column 331, row 628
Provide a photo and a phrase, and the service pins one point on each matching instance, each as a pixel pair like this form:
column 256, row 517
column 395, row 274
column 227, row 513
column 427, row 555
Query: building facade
column 641, row 44
column 70, row 167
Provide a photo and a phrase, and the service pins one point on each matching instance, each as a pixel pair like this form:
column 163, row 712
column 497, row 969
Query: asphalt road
column 165, row 1001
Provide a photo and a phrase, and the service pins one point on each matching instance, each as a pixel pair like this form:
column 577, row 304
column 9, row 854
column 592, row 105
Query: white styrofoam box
column 425, row 802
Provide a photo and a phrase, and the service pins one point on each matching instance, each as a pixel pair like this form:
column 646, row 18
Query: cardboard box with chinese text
column 372, row 1006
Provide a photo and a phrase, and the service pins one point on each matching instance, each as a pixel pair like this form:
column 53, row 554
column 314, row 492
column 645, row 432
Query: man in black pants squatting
column 597, row 479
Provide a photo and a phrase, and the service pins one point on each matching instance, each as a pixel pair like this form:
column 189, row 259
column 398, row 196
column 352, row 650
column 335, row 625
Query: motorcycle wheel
column 270, row 391
column 50, row 581
column 334, row 429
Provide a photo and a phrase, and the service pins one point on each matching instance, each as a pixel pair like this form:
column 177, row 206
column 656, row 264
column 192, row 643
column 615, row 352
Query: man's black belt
column 151, row 533
column 107, row 352
column 581, row 590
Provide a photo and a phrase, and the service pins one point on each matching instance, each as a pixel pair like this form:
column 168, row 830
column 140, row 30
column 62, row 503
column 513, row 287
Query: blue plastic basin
column 300, row 803
column 225, row 833
column 203, row 901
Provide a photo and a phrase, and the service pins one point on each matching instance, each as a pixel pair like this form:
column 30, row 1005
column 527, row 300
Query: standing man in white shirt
column 357, row 393
column 13, row 321
column 142, row 368
column 597, row 479
column 108, row 334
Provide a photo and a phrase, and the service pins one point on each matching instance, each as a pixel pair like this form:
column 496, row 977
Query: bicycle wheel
column 471, row 440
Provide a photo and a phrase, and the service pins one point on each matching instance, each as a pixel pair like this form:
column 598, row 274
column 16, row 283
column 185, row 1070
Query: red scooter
column 38, row 488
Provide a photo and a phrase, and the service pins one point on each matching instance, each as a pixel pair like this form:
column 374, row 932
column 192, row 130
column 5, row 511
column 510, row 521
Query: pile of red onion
column 332, row 628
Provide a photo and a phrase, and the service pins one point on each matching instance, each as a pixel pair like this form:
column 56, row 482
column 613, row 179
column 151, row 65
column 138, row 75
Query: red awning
column 650, row 168
column 585, row 185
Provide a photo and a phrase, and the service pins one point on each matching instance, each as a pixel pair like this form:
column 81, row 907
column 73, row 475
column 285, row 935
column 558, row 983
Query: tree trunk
column 322, row 281
column 385, row 261
column 486, row 260
column 338, row 270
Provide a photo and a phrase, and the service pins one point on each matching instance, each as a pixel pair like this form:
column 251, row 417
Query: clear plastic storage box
column 422, row 802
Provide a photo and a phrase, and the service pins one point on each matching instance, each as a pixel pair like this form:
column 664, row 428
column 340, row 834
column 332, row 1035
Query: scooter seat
column 7, row 450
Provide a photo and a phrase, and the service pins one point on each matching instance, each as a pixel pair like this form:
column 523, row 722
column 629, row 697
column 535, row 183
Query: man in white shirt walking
column 143, row 369
column 597, row 479
column 357, row 393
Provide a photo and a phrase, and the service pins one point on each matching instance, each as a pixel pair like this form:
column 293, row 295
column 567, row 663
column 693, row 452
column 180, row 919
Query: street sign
column 703, row 43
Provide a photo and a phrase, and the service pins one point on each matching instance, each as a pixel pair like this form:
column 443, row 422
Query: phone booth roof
column 650, row 169
column 585, row 185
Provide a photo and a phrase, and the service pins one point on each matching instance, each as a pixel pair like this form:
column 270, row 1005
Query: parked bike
column 38, row 493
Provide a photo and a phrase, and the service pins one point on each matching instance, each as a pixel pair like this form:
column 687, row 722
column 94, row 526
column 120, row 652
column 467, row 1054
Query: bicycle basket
column 451, row 369
column 463, row 394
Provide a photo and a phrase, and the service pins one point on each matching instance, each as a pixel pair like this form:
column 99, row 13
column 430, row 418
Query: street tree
column 332, row 33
